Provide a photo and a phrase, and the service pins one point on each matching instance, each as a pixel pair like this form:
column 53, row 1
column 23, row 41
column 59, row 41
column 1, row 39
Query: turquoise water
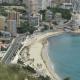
column 64, row 51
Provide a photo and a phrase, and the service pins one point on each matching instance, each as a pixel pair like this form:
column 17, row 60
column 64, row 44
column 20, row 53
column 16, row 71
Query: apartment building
column 2, row 22
column 33, row 6
column 13, row 22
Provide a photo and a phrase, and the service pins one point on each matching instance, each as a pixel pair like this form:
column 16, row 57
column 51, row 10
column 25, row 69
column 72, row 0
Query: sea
column 64, row 52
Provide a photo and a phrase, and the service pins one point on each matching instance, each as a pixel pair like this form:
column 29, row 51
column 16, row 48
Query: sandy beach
column 39, row 58
column 39, row 53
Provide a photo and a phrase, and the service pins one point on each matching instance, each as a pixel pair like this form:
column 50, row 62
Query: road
column 12, row 51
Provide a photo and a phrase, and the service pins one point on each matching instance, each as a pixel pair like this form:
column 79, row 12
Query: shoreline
column 37, row 52
column 47, row 61
column 44, row 67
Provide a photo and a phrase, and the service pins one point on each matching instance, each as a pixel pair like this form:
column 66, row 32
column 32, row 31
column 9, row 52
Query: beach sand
column 39, row 58
column 39, row 54
column 42, row 61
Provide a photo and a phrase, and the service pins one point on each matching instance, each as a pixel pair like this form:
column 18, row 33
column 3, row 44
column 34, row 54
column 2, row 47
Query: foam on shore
column 48, row 63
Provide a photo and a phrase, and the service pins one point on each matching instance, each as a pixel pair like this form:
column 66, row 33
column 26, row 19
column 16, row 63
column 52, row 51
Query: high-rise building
column 61, row 1
column 7, row 1
column 58, row 1
column 29, row 4
column 76, row 5
column 45, row 3
column 33, row 6
column 13, row 22
column 2, row 22
column 68, row 1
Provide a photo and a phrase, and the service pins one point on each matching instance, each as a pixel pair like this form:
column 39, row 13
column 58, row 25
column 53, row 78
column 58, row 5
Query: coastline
column 40, row 61
column 37, row 52
column 47, row 61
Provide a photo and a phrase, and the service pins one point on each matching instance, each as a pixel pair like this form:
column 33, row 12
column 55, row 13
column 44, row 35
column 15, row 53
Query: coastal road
column 12, row 51
column 16, row 45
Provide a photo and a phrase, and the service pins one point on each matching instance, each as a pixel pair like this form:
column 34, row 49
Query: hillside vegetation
column 17, row 72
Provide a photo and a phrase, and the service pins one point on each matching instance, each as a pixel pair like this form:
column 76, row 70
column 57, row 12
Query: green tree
column 3, row 12
column 43, row 13
column 66, row 14
column 12, row 72
column 25, row 27
column 44, row 78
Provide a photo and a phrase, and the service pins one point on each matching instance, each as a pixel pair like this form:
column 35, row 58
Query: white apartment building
column 7, row 1
column 76, row 5
column 66, row 5
column 31, row 5
column 0, row 1
column 35, row 5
